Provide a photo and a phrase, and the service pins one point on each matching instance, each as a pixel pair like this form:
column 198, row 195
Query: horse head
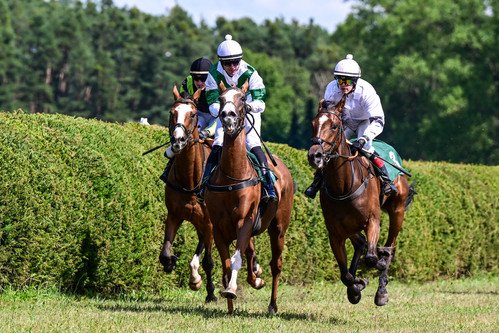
column 183, row 119
column 233, row 108
column 327, row 133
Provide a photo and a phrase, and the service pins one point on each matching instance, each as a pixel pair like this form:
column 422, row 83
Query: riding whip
column 381, row 158
column 153, row 149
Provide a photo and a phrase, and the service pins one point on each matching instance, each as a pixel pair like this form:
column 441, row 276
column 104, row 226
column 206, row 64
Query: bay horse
column 182, row 184
column 351, row 199
column 233, row 195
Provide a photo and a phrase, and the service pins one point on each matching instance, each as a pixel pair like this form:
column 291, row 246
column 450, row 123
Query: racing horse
column 182, row 184
column 233, row 197
column 351, row 199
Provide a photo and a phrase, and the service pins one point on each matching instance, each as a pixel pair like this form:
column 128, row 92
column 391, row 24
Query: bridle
column 332, row 153
column 188, row 131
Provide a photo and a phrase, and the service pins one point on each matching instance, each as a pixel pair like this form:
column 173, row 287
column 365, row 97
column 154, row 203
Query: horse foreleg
column 223, row 250
column 166, row 258
column 372, row 240
column 386, row 255
column 195, row 280
column 359, row 244
column 254, row 269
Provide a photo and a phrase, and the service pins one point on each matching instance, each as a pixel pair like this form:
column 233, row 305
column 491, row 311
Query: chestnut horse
column 184, row 181
column 233, row 195
column 351, row 202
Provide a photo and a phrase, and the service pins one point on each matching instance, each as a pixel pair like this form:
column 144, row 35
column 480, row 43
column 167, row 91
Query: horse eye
column 334, row 127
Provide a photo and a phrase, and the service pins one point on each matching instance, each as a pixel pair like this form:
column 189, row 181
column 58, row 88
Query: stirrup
column 389, row 188
column 269, row 194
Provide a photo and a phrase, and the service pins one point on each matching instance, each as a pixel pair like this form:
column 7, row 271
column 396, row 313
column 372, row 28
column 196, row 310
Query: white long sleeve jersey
column 363, row 111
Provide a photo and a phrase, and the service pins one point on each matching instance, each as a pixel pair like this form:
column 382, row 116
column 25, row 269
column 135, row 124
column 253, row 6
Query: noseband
column 188, row 131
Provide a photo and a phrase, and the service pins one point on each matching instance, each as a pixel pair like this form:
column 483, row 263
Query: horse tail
column 410, row 196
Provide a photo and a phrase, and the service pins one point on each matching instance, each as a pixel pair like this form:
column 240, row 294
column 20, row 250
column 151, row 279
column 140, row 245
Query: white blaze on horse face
column 322, row 120
column 182, row 112
column 229, row 96
column 235, row 264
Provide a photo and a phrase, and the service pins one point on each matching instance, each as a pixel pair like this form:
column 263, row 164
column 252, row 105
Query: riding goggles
column 199, row 77
column 346, row 80
column 233, row 62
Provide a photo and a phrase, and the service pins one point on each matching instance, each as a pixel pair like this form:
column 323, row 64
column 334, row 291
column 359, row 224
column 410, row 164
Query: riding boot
column 164, row 175
column 388, row 187
column 312, row 190
column 211, row 163
column 269, row 193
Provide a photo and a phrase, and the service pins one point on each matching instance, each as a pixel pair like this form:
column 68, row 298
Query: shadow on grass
column 207, row 312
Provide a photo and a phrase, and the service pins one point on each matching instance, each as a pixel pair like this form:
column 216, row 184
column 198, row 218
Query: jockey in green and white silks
column 233, row 71
column 196, row 80
column 255, row 98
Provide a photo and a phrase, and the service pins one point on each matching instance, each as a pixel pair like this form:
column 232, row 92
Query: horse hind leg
column 254, row 269
column 195, row 280
column 208, row 269
column 386, row 255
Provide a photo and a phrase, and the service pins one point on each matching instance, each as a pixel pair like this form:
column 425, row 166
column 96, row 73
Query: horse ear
column 321, row 104
column 221, row 86
column 196, row 95
column 244, row 88
column 176, row 94
column 341, row 103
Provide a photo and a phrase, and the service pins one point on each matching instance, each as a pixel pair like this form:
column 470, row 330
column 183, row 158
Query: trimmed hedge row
column 81, row 208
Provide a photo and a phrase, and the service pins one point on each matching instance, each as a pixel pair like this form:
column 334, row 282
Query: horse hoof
column 259, row 283
column 381, row 299
column 196, row 285
column 353, row 295
column 210, row 298
column 272, row 309
column 229, row 294
column 258, row 271
column 371, row 260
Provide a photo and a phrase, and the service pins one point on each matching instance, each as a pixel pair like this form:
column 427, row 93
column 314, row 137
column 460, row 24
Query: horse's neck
column 188, row 166
column 234, row 161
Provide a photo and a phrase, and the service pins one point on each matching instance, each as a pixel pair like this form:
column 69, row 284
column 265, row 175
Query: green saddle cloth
column 388, row 153
column 258, row 168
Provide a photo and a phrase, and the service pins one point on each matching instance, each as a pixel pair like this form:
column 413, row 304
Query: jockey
column 234, row 72
column 206, row 122
column 363, row 117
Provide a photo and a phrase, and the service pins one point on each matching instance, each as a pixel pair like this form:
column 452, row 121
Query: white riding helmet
column 347, row 67
column 229, row 49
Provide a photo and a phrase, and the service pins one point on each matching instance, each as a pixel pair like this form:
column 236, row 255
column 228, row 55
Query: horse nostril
column 318, row 155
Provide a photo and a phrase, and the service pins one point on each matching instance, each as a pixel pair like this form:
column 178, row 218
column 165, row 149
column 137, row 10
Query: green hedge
column 82, row 209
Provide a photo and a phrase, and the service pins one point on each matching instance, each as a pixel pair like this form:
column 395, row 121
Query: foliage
column 434, row 66
column 82, row 209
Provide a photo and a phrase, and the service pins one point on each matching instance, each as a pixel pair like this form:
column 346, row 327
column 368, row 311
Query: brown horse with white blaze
column 182, row 184
column 351, row 200
column 233, row 196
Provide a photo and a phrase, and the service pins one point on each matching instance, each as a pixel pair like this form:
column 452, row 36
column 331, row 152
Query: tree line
column 434, row 66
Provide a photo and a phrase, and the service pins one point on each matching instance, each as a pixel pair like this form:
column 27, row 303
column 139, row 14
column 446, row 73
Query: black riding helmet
column 200, row 68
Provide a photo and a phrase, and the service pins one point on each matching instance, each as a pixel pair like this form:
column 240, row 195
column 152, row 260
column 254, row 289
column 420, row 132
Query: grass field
column 470, row 305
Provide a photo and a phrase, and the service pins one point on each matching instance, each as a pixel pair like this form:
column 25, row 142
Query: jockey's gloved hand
column 204, row 134
column 359, row 143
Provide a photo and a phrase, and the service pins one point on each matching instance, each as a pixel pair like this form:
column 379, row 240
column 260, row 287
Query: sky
column 326, row 13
